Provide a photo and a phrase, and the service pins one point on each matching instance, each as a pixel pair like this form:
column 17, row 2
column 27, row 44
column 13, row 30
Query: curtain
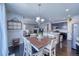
column 3, row 31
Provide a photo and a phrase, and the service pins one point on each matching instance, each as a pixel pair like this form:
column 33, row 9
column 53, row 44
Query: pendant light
column 39, row 19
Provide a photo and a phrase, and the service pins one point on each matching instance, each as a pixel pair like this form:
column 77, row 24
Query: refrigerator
column 74, row 35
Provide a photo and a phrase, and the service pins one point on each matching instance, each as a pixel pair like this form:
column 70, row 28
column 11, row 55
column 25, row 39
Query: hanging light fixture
column 39, row 19
column 68, row 15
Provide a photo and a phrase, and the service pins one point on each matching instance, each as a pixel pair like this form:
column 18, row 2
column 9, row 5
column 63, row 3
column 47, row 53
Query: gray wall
column 17, row 33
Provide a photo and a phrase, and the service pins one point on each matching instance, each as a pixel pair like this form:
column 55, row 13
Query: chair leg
column 60, row 44
column 53, row 52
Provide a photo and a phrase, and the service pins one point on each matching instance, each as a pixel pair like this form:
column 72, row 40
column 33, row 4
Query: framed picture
column 14, row 25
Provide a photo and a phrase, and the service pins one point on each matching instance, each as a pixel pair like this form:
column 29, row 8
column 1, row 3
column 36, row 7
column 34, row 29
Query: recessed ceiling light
column 67, row 10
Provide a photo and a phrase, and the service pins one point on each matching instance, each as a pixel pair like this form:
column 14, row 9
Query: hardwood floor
column 66, row 49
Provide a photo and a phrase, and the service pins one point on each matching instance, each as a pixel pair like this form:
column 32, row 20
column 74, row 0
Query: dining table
column 39, row 44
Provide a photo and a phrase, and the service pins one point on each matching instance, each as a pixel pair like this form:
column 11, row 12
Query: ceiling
column 49, row 11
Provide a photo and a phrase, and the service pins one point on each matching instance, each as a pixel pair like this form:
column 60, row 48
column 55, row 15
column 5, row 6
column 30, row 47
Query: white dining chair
column 61, row 37
column 50, row 48
column 27, row 48
column 39, row 53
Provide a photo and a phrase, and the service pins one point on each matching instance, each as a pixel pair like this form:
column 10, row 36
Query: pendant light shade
column 42, row 20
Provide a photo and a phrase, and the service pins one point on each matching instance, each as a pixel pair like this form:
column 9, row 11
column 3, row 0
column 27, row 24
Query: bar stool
column 61, row 37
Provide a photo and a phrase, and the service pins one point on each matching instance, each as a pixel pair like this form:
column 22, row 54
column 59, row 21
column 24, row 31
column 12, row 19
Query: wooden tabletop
column 37, row 43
